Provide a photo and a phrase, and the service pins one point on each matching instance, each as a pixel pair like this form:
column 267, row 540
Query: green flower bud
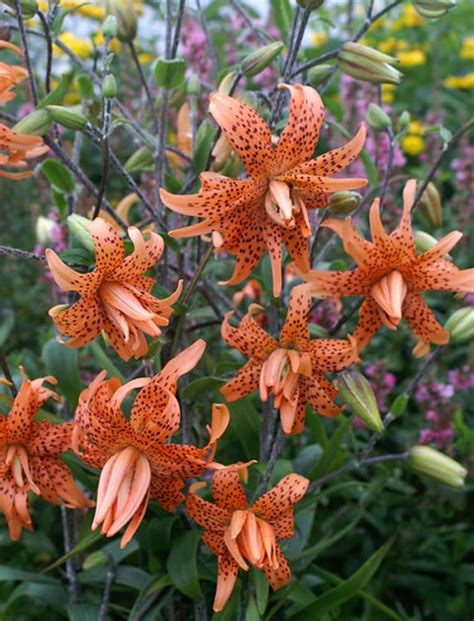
column 377, row 118
column 431, row 9
column 399, row 405
column 461, row 325
column 140, row 160
column 310, row 4
column 427, row 461
column 404, row 119
column 44, row 228
column 359, row 396
column 431, row 205
column 110, row 27
column 226, row 83
column 28, row 7
column 109, row 86
column 72, row 117
column 318, row 74
column 193, row 86
column 126, row 18
column 257, row 61
column 37, row 123
column 344, row 203
column 79, row 227
column 365, row 63
column 424, row 241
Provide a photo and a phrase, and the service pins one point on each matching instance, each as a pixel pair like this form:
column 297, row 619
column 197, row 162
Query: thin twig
column 146, row 87
column 389, row 166
column 274, row 454
column 260, row 34
column 26, row 50
column 74, row 586
column 7, row 374
column 107, row 103
column 109, row 580
column 177, row 29
column 16, row 252
column 49, row 51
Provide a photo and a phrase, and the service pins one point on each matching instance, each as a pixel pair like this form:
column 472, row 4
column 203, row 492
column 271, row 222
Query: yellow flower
column 417, row 128
column 318, row 38
column 467, row 50
column 388, row 46
column 460, row 82
column 413, row 58
column 388, row 93
column 98, row 39
column 93, row 11
column 413, row 145
column 411, row 19
column 81, row 47
column 145, row 58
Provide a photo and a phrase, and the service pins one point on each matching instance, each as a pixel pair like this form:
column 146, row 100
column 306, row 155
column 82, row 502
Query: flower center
column 17, row 460
column 124, row 487
column 389, row 293
column 249, row 538
column 282, row 204
column 280, row 376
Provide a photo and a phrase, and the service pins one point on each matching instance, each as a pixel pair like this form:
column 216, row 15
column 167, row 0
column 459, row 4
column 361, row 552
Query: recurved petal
column 315, row 184
column 244, row 383
column 300, row 136
column 333, row 161
column 248, row 252
column 422, row 321
column 336, row 284
column 320, row 393
column 295, row 329
column 68, row 279
column 166, row 490
column 296, row 242
column 227, row 570
column 143, row 257
column 249, row 338
column 280, row 498
column 227, row 490
column 370, row 320
column 208, row 515
column 247, row 132
column 282, row 574
column 379, row 235
column 273, row 238
column 109, row 248
column 50, row 439
column 83, row 320
column 328, row 355
column 404, row 232
column 117, row 340
column 56, row 484
column 363, row 252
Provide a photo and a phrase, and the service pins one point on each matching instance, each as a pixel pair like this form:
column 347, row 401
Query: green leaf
column 336, row 596
column 245, row 427
column 53, row 594
column 251, row 614
column 104, row 361
column 325, row 463
column 81, row 546
column 82, row 612
column 61, row 361
column 370, row 168
column 261, row 588
column 182, row 564
column 58, row 175
column 202, row 385
column 282, row 13
column 204, row 139
column 169, row 73
column 56, row 96
column 11, row 573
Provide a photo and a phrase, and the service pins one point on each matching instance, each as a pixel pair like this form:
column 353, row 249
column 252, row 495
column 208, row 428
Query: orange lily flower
column 137, row 465
column 270, row 208
column 29, row 458
column 18, row 148
column 391, row 276
column 240, row 535
column 291, row 368
column 115, row 297
column 10, row 75
column 184, row 139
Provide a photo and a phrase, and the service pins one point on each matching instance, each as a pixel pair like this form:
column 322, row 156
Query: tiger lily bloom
column 15, row 148
column 29, row 458
column 240, row 535
column 10, row 75
column 390, row 276
column 290, row 368
column 270, row 207
column 115, row 297
column 136, row 462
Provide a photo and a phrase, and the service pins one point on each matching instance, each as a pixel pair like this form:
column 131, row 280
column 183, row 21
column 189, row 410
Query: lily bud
column 399, row 405
column 427, row 461
column 110, row 27
column 318, row 74
column 37, row 123
column 377, row 118
column 72, row 117
column 44, row 228
column 365, row 63
column 431, row 205
column 126, row 18
column 109, row 86
column 193, row 86
column 431, row 9
column 140, row 160
column 79, row 227
column 310, row 4
column 28, row 7
column 257, row 61
column 344, row 203
column 404, row 119
column 461, row 325
column 424, row 241
column 359, row 396
column 226, row 83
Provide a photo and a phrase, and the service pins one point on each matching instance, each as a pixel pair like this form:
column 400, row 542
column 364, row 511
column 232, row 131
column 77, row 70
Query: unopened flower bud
column 404, row 119
column 37, row 123
column 424, row 241
column 427, row 461
column 431, row 205
column 126, row 18
column 359, row 396
column 377, row 118
column 140, row 160
column 344, row 203
column 226, row 83
column 365, row 63
column 461, row 325
column 110, row 27
column 257, row 61
column 79, row 227
column 72, row 117
column 399, row 405
column 318, row 74
column 109, row 86
column 310, row 4
column 28, row 7
column 193, row 86
column 431, row 9
column 44, row 228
